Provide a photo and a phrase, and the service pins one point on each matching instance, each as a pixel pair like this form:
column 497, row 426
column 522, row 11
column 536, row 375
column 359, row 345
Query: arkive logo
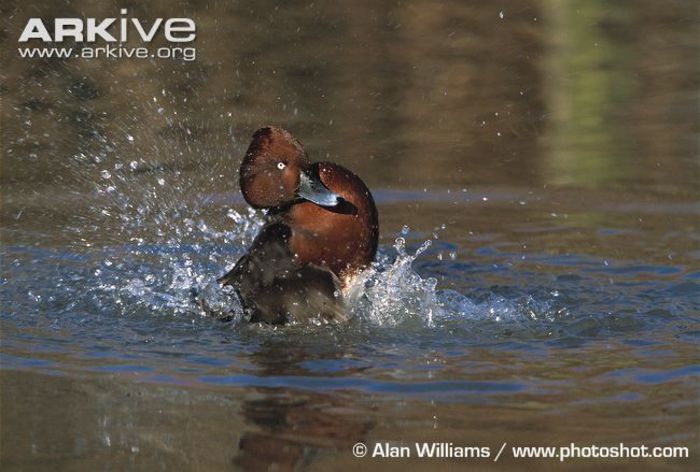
column 176, row 30
column 85, row 32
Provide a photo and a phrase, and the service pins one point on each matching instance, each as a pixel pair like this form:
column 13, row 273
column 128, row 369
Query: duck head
column 276, row 173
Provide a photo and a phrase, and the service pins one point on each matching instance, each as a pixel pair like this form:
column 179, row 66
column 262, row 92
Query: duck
column 321, row 231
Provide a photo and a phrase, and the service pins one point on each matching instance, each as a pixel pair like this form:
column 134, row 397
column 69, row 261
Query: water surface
column 536, row 172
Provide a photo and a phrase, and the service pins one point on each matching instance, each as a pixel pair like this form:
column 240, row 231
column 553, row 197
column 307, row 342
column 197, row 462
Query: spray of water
column 155, row 242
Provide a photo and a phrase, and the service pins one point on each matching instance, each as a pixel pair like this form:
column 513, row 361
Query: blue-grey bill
column 312, row 189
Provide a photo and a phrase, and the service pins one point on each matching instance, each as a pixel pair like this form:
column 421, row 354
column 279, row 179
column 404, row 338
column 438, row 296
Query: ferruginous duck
column 322, row 230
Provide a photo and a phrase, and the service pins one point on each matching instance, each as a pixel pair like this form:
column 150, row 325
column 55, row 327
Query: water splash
column 147, row 250
column 167, row 276
column 391, row 292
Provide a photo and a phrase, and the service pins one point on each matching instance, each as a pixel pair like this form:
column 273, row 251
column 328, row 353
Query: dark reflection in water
column 291, row 426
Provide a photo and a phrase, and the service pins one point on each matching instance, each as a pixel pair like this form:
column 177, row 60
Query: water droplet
column 130, row 138
column 105, row 174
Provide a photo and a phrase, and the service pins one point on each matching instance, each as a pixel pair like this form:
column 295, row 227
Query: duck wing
column 274, row 288
column 267, row 257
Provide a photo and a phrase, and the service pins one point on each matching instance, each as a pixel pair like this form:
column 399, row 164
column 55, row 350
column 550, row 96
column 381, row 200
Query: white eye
column 281, row 165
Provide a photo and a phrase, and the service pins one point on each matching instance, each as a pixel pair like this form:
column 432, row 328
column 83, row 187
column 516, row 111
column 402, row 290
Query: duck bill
column 312, row 189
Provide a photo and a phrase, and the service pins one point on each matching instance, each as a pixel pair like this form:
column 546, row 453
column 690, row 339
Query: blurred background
column 409, row 94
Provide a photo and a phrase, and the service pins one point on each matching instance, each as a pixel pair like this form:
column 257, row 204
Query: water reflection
column 618, row 96
column 431, row 94
column 292, row 428
column 289, row 428
column 590, row 145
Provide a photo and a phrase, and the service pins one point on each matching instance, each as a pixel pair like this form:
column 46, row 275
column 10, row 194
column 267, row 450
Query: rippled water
column 537, row 278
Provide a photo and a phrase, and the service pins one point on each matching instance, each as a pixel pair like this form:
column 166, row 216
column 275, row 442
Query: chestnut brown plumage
column 322, row 229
